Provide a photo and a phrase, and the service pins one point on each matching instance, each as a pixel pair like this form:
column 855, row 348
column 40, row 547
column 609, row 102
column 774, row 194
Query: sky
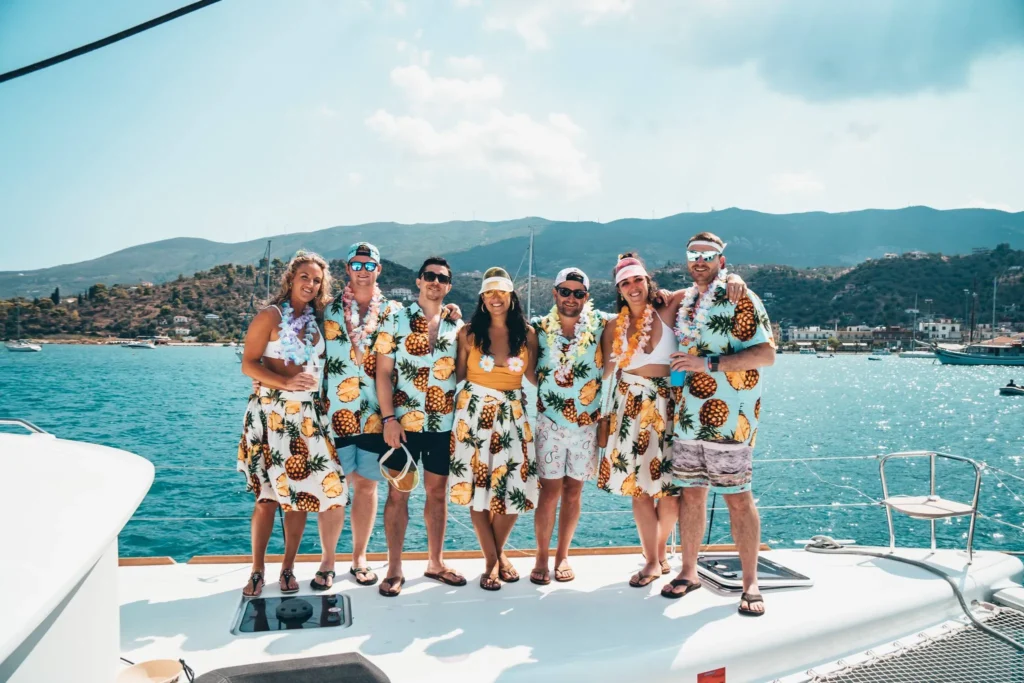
column 259, row 117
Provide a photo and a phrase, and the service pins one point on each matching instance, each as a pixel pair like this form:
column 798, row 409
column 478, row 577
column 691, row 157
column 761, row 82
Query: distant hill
column 877, row 292
column 797, row 240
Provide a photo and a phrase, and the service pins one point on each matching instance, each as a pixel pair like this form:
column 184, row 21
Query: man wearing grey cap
column 569, row 363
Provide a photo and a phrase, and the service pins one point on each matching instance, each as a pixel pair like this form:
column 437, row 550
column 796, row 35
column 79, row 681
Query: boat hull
column 959, row 358
column 1011, row 391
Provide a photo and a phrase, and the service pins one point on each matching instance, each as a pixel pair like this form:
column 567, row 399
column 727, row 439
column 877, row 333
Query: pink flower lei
column 690, row 320
column 360, row 333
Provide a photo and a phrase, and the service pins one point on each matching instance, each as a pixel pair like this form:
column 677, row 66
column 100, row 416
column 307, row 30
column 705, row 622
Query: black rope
column 103, row 42
column 711, row 522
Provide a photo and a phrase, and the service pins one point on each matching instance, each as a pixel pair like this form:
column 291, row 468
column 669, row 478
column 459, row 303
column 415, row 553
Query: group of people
column 658, row 402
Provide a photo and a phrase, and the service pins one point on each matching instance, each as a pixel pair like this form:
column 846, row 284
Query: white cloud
column 797, row 182
column 532, row 20
column 529, row 157
column 422, row 88
column 466, row 3
column 401, row 45
column 355, row 178
column 399, row 7
column 466, row 65
column 325, row 113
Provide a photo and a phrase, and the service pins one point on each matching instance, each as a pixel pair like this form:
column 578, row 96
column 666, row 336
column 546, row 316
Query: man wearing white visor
column 569, row 363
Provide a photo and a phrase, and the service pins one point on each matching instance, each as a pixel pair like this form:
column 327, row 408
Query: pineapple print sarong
column 493, row 465
column 638, row 458
column 286, row 454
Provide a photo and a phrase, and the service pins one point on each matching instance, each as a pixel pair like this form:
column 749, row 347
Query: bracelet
column 384, row 420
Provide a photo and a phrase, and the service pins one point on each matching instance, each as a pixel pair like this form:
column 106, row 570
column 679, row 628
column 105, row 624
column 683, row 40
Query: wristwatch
column 713, row 363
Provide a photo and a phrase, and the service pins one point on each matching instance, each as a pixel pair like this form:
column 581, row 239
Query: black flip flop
column 387, row 586
column 288, row 575
column 540, row 582
column 447, row 576
column 322, row 586
column 643, row 580
column 691, row 586
column 360, row 572
column 750, row 600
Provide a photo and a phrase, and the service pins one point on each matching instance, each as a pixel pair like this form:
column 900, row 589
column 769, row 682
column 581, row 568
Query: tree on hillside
column 55, row 297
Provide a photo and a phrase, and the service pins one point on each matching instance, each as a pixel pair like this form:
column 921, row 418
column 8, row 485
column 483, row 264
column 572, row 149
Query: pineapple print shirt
column 721, row 406
column 576, row 399
column 425, row 381
column 351, row 387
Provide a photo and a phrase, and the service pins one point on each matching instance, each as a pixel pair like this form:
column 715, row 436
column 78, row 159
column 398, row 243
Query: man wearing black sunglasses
column 418, row 408
column 568, row 395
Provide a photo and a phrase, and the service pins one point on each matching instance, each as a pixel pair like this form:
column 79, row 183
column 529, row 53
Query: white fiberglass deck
column 595, row 628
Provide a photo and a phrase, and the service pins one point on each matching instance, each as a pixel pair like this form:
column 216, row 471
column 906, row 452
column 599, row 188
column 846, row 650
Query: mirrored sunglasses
column 705, row 256
column 369, row 266
column 578, row 293
column 431, row 276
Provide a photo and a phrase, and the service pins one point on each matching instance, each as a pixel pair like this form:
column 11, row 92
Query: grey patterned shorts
column 566, row 451
column 723, row 466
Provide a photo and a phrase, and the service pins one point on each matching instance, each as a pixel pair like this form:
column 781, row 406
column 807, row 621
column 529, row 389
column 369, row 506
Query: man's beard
column 573, row 314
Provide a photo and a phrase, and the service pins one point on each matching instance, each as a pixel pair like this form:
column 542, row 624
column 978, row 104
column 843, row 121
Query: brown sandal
column 391, row 586
column 448, row 576
column 691, row 586
column 750, row 599
column 490, row 584
column 564, row 574
column 544, row 574
column 508, row 574
column 641, row 580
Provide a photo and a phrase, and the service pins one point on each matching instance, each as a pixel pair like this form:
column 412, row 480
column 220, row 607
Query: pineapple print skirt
column 286, row 452
column 638, row 458
column 493, row 465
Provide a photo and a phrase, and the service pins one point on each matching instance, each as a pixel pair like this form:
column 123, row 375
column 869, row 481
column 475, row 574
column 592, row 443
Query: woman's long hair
column 322, row 298
column 652, row 286
column 480, row 323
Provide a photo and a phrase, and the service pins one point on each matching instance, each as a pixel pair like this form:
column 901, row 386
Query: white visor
column 630, row 271
column 705, row 243
column 500, row 284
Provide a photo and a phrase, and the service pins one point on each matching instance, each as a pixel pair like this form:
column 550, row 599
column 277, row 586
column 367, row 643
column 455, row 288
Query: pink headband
column 631, row 268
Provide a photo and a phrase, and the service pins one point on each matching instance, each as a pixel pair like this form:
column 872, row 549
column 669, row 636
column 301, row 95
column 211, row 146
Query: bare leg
column 363, row 513
column 435, row 516
column 568, row 518
column 396, row 521
column 294, row 526
column 692, row 509
column 746, row 532
column 502, row 526
column 330, row 524
column 647, row 527
column 262, row 526
column 668, row 517
column 485, row 536
column 544, row 523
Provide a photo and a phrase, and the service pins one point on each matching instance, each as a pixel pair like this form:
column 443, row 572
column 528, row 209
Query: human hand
column 256, row 386
column 735, row 287
column 686, row 363
column 301, row 382
column 661, row 297
column 394, row 433
column 453, row 312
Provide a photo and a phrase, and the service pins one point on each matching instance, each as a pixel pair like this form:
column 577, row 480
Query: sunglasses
column 566, row 292
column 430, row 276
column 369, row 266
column 705, row 256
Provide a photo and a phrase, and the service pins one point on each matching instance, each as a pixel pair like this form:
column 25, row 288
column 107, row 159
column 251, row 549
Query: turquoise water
column 182, row 409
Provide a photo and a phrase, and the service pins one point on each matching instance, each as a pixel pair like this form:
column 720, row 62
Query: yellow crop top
column 499, row 378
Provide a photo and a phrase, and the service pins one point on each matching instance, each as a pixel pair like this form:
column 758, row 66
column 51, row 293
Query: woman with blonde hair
column 285, row 452
column 493, row 466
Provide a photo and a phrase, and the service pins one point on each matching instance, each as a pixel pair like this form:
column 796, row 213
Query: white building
column 212, row 316
column 890, row 255
column 809, row 334
column 942, row 328
column 178, row 319
column 181, row 331
column 401, row 293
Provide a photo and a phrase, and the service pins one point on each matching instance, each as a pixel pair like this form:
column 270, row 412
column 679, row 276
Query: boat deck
column 595, row 628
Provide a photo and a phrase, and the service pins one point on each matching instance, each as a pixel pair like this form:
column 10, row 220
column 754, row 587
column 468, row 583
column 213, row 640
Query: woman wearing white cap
column 493, row 464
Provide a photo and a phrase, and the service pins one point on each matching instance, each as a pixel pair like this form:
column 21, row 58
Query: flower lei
column 583, row 335
column 296, row 351
column 360, row 333
column 622, row 351
column 514, row 364
column 690, row 319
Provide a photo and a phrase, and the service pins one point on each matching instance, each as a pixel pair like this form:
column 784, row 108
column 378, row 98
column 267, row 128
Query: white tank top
column 660, row 354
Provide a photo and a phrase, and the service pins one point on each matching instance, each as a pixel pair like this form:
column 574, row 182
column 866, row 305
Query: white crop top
column 660, row 354
column 275, row 350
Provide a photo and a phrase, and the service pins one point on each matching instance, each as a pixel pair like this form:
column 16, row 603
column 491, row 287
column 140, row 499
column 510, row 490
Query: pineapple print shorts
column 723, row 466
column 566, row 451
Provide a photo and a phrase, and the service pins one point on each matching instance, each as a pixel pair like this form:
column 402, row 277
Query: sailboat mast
column 268, row 270
column 529, row 280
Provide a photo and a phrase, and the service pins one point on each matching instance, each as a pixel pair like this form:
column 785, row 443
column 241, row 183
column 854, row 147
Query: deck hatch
column 294, row 612
column 723, row 571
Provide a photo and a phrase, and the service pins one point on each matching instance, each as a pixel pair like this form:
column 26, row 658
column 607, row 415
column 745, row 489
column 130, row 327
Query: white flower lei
column 690, row 321
column 582, row 337
column 296, row 351
column 360, row 334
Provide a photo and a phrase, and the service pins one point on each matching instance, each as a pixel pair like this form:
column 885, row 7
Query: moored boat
column 1001, row 351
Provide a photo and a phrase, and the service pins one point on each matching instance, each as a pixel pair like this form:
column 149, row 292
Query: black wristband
column 713, row 363
column 384, row 420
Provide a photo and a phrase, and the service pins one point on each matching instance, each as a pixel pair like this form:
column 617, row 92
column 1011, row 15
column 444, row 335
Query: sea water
column 182, row 407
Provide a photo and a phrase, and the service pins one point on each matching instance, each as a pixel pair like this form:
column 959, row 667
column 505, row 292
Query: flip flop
column 256, row 579
column 448, row 576
column 666, row 568
column 364, row 576
column 540, row 582
column 489, row 584
column 508, row 574
column 329, row 574
column 288, row 575
column 641, row 580
column 750, row 600
column 388, row 588
column 667, row 591
column 564, row 575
